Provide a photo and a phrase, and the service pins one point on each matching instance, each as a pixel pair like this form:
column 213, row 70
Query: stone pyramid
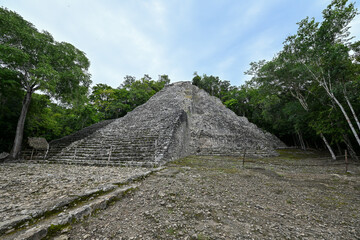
column 178, row 121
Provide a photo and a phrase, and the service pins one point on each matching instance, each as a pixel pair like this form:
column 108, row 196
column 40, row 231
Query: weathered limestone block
column 3, row 155
column 6, row 225
column 179, row 120
column 36, row 233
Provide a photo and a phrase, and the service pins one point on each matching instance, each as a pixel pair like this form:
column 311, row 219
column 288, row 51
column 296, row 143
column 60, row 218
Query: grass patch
column 54, row 229
column 171, row 231
column 201, row 236
column 279, row 191
column 233, row 164
column 296, row 154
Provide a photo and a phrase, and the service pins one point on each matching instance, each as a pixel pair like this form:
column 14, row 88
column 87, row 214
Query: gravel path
column 216, row 198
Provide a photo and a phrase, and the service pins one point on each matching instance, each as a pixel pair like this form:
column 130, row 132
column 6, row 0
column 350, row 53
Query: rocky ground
column 218, row 198
column 28, row 189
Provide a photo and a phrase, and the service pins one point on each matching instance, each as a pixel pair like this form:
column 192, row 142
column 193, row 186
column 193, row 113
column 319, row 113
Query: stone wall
column 179, row 120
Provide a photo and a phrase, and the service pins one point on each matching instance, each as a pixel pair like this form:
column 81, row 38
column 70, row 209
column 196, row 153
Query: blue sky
column 173, row 37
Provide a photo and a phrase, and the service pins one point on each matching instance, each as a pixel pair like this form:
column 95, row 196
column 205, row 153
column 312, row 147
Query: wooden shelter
column 39, row 146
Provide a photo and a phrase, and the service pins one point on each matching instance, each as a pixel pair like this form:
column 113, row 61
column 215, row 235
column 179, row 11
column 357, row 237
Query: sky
column 173, row 37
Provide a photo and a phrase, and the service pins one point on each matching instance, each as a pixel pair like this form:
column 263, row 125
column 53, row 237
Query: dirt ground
column 294, row 196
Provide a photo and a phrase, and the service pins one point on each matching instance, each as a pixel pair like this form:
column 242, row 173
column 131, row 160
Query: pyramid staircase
column 118, row 142
column 56, row 146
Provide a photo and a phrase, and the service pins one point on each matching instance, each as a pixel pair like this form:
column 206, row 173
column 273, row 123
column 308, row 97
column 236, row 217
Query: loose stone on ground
column 200, row 197
column 27, row 190
column 215, row 198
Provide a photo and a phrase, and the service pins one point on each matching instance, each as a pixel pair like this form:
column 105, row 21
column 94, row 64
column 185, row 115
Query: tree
column 11, row 96
column 55, row 68
column 196, row 80
column 211, row 84
column 128, row 80
column 111, row 103
column 323, row 50
column 319, row 67
column 164, row 79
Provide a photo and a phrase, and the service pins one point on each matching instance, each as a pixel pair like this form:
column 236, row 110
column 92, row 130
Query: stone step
column 108, row 163
column 103, row 150
column 130, row 155
column 96, row 144
column 108, row 150
column 128, row 137
column 105, row 158
column 125, row 141
column 115, row 143
column 113, row 150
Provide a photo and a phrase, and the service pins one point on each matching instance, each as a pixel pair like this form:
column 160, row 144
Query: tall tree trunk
column 294, row 139
column 304, row 104
column 353, row 112
column 328, row 146
column 327, row 87
column 332, row 96
column 349, row 147
column 316, row 146
column 339, row 148
column 20, row 126
column 301, row 140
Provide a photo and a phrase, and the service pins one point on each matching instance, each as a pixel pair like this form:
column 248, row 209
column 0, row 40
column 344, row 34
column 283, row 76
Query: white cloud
column 169, row 37
column 355, row 28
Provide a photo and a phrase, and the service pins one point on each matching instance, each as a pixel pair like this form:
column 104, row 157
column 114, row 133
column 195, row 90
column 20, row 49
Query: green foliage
column 52, row 121
column 260, row 104
column 35, row 61
column 113, row 103
column 57, row 68
column 11, row 97
column 316, row 67
column 293, row 94
column 213, row 85
column 108, row 102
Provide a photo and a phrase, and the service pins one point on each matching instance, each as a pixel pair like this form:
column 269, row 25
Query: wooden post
column 47, row 150
column 346, row 162
column 74, row 154
column 244, row 158
column 32, row 152
column 110, row 153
